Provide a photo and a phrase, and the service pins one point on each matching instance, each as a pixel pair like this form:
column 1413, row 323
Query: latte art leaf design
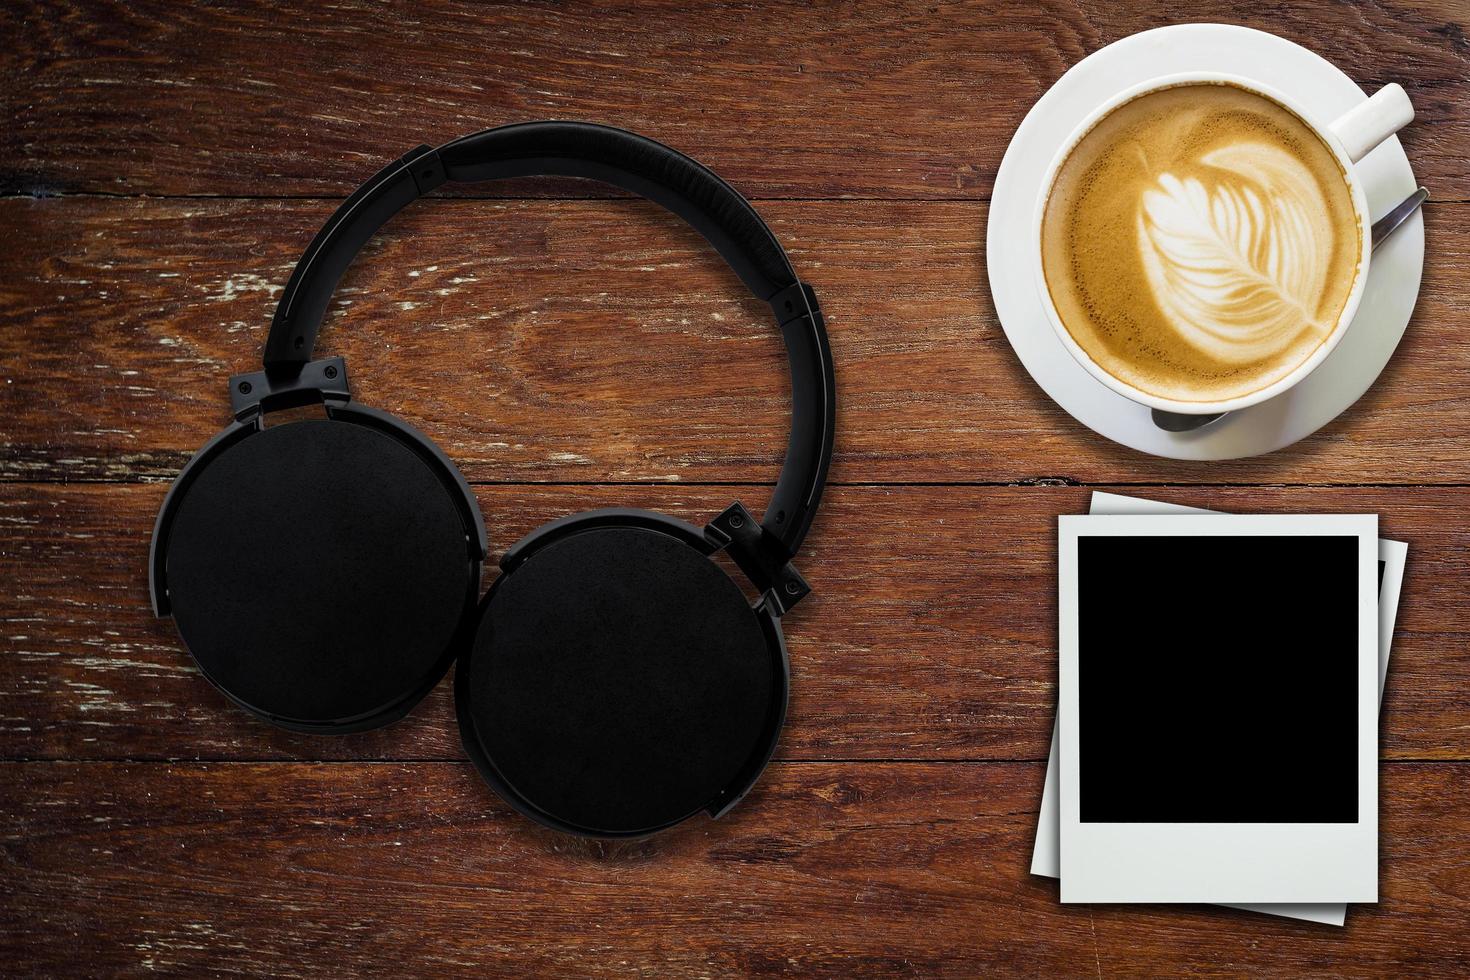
column 1238, row 265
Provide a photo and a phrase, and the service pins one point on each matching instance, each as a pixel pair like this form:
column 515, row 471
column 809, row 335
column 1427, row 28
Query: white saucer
column 1393, row 275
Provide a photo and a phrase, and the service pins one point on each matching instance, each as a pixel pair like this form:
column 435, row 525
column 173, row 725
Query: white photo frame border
column 1221, row 862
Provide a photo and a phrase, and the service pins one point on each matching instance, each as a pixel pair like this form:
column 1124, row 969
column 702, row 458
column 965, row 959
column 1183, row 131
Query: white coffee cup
column 1350, row 137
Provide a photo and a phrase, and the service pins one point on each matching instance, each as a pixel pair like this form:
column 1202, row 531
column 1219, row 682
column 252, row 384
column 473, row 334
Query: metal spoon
column 1382, row 228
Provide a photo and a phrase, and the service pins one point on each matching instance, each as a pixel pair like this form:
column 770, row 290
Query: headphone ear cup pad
column 319, row 574
column 619, row 681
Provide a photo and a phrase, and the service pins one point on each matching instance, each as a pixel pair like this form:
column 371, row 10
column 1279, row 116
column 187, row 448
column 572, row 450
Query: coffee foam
column 1200, row 242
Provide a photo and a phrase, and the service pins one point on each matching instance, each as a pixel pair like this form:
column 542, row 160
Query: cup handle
column 1365, row 126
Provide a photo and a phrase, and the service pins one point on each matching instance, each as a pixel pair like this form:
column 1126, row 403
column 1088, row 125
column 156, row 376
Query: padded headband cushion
column 639, row 164
column 620, row 680
column 319, row 573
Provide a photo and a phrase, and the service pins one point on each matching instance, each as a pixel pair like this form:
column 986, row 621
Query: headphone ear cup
column 322, row 573
column 619, row 680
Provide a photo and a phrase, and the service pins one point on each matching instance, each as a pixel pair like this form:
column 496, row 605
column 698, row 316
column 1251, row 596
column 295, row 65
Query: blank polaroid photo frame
column 1046, row 852
column 1184, row 777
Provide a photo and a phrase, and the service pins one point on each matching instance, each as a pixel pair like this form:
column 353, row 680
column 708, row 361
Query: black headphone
column 324, row 573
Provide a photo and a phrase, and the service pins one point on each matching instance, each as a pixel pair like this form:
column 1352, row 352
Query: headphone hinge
column 259, row 391
column 425, row 168
column 794, row 303
column 760, row 555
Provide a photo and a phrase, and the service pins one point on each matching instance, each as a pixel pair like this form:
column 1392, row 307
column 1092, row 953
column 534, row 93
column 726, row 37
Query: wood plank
column 931, row 633
column 886, row 100
column 826, row 869
column 602, row 341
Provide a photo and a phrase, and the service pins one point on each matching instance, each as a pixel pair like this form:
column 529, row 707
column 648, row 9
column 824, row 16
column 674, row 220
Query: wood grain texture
column 931, row 633
column 866, row 98
column 604, row 341
column 163, row 165
column 825, row 870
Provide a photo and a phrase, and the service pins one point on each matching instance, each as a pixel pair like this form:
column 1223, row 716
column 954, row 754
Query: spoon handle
column 1390, row 222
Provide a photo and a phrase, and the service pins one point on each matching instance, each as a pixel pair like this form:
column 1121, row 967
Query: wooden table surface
column 162, row 166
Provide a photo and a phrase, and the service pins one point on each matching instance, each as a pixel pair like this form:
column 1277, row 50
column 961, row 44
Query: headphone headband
column 643, row 167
